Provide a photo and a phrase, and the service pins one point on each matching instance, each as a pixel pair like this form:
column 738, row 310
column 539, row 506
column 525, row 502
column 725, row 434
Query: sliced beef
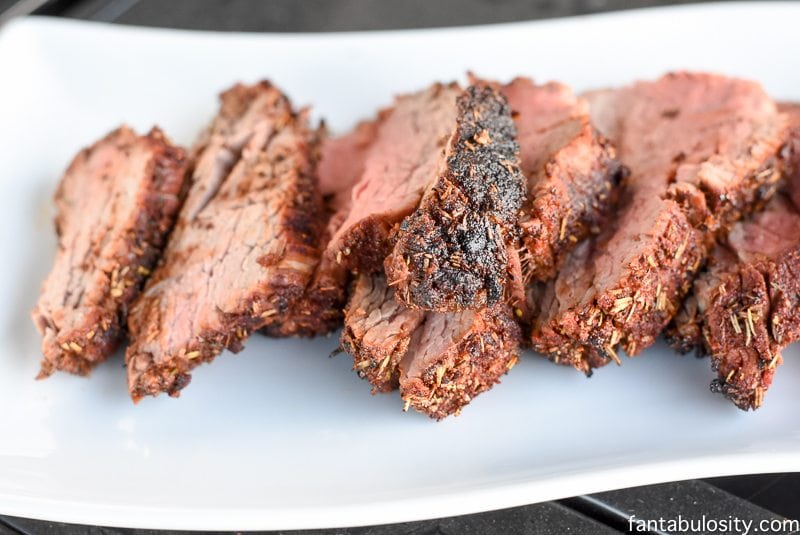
column 750, row 304
column 243, row 249
column 454, row 356
column 342, row 161
column 702, row 150
column 451, row 252
column 340, row 167
column 115, row 207
column 399, row 166
column 571, row 173
column 745, row 306
column 377, row 331
column 440, row 361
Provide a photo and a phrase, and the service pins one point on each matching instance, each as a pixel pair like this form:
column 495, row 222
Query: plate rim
column 472, row 501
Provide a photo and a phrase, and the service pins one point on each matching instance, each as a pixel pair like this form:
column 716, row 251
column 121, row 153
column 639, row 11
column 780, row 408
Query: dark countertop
column 758, row 498
column 331, row 15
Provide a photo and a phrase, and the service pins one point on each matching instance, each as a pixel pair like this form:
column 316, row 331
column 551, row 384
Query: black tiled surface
column 339, row 15
column 542, row 519
column 5, row 529
column 690, row 502
column 779, row 493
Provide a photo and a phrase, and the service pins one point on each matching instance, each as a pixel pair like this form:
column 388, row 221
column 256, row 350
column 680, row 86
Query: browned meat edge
column 377, row 331
column 440, row 361
column 744, row 311
column 641, row 304
column 571, row 170
column 258, row 152
column 451, row 252
column 399, row 167
column 677, row 227
column 127, row 254
column 745, row 307
column 569, row 203
column 632, row 312
column 754, row 313
column 341, row 164
column 442, row 381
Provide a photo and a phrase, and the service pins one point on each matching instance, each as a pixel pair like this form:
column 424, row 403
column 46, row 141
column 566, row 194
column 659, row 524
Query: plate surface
column 280, row 436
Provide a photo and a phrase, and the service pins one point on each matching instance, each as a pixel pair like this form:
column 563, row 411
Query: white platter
column 280, row 436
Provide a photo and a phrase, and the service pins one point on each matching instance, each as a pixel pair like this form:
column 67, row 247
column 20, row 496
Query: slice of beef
column 115, row 207
column 454, row 356
column 440, row 361
column 571, row 171
column 371, row 179
column 685, row 332
column 748, row 302
column 377, row 331
column 451, row 252
column 745, row 306
column 341, row 165
column 243, row 249
column 399, row 166
column 702, row 150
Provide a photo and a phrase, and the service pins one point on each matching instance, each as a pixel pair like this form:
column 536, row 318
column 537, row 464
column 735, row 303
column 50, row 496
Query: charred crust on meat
column 571, row 171
column 364, row 248
column 400, row 164
column 451, row 253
